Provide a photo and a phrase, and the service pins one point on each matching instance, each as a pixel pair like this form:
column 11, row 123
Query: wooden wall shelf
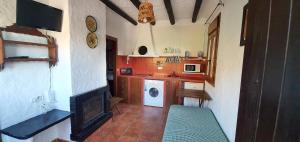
column 28, row 60
column 51, row 45
column 25, row 43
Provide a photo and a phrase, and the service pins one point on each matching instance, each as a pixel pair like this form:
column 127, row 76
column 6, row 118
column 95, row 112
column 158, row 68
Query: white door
column 154, row 93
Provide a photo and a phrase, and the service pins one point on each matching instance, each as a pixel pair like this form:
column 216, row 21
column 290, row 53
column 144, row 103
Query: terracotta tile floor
column 134, row 124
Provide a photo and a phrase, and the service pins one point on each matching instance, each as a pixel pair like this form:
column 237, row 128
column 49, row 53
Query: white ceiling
column 182, row 9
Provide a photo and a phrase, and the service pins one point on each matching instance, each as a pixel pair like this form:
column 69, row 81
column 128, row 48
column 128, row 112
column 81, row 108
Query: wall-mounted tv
column 37, row 15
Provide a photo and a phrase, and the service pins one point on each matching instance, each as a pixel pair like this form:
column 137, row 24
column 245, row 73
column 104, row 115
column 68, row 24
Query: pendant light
column 146, row 14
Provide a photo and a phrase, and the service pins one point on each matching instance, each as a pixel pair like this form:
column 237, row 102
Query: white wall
column 184, row 35
column 20, row 83
column 62, row 72
column 61, row 75
column 88, row 65
column 120, row 28
column 226, row 92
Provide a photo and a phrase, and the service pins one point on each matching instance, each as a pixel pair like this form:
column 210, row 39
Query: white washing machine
column 154, row 93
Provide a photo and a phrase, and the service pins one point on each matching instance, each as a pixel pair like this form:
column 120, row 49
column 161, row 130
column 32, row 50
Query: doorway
column 111, row 58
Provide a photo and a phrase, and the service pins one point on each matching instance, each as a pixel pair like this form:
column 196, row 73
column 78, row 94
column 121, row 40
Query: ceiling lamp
column 146, row 14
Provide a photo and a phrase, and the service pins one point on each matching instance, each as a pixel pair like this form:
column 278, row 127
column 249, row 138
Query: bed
column 192, row 124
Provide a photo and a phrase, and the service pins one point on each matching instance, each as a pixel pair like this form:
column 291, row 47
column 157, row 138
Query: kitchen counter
column 131, row 87
column 150, row 77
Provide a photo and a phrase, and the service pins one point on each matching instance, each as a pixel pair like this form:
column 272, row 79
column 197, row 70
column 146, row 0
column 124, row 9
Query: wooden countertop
column 185, row 79
column 192, row 93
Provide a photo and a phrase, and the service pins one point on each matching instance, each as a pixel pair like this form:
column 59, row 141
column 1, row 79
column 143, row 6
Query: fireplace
column 89, row 111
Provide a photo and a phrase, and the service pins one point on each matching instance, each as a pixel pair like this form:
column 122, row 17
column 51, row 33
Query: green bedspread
column 191, row 124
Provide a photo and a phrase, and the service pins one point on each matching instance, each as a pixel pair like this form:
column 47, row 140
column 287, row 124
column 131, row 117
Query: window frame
column 212, row 49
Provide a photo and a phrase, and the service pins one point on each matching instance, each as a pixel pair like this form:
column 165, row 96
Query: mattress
column 192, row 124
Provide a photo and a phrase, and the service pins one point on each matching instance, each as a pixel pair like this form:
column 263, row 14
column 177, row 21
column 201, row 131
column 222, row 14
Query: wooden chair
column 114, row 101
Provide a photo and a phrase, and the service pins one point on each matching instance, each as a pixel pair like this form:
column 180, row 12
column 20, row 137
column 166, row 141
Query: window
column 213, row 40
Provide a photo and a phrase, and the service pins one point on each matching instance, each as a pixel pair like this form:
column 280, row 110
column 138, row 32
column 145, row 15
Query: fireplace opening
column 89, row 111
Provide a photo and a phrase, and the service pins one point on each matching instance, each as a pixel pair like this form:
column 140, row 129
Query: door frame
column 108, row 37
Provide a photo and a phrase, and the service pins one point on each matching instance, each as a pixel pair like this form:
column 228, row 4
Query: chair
column 114, row 101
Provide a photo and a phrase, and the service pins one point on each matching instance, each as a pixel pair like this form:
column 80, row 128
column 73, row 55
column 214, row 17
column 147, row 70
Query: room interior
column 149, row 70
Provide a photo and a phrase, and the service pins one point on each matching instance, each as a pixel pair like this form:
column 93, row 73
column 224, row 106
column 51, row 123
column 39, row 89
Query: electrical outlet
column 38, row 99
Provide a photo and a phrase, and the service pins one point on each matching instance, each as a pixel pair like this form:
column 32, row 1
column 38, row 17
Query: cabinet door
column 136, row 91
column 171, row 98
column 123, row 88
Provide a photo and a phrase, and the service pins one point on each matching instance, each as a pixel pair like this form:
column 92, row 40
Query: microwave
column 126, row 71
column 192, row 68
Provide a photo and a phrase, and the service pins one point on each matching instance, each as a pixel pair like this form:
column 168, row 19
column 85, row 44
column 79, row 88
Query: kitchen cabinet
column 130, row 89
column 136, row 93
column 123, row 87
column 171, row 98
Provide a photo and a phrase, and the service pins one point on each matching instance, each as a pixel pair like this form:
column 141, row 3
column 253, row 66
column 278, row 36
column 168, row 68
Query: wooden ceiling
column 161, row 9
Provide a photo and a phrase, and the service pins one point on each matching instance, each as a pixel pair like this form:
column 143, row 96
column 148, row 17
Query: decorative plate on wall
column 142, row 50
column 92, row 40
column 91, row 23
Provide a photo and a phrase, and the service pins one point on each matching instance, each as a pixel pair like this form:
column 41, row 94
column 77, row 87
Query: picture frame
column 243, row 39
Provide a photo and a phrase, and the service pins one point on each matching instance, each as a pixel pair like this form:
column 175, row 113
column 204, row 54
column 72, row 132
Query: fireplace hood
column 145, row 45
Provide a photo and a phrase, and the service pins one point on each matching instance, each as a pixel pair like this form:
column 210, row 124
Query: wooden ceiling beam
column 137, row 4
column 196, row 10
column 119, row 11
column 168, row 6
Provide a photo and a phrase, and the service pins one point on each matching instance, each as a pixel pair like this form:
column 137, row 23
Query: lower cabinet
column 123, row 88
column 130, row 89
column 171, row 98
column 136, row 85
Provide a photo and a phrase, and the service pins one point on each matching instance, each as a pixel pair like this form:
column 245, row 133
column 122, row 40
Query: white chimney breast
column 144, row 39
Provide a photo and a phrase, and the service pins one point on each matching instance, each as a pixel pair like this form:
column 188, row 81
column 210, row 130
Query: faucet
column 173, row 74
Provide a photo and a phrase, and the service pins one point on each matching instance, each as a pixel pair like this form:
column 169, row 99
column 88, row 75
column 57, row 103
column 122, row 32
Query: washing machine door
column 154, row 91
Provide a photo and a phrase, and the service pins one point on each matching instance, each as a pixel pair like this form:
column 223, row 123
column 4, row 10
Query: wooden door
column 288, row 115
column 171, row 86
column 269, row 108
column 122, row 87
column 136, row 91
column 111, row 62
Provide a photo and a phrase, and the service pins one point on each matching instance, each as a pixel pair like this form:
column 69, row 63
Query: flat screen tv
column 37, row 15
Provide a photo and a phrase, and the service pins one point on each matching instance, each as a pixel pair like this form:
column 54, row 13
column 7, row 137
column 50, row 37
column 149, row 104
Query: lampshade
column 146, row 14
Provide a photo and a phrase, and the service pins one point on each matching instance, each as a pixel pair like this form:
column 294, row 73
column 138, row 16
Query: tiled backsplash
column 148, row 65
